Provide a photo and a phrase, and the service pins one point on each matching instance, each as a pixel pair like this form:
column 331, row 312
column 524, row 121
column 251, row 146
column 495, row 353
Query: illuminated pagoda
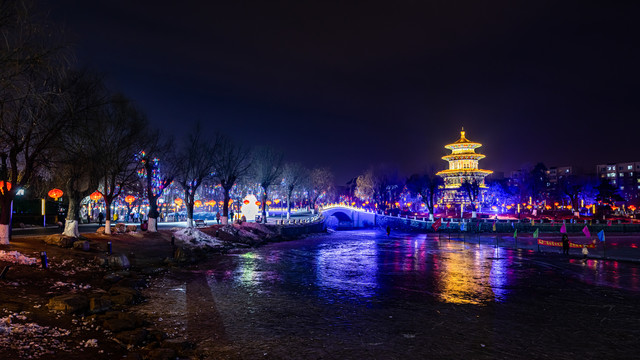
column 463, row 164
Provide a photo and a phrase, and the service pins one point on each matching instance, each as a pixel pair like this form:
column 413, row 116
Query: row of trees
column 63, row 127
column 383, row 187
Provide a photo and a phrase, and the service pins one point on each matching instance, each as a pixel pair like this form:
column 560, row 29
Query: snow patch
column 196, row 238
column 30, row 340
column 17, row 258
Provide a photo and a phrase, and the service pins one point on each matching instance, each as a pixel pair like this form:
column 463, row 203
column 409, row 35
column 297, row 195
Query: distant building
column 624, row 176
column 463, row 165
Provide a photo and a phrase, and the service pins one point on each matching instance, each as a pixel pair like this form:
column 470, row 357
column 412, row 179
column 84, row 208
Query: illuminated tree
column 321, row 182
column 119, row 138
column 471, row 188
column 293, row 175
column 194, row 162
column 267, row 171
column 427, row 186
column 156, row 175
column 232, row 163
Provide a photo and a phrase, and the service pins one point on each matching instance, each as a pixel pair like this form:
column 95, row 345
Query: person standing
column 565, row 244
column 218, row 217
column 100, row 218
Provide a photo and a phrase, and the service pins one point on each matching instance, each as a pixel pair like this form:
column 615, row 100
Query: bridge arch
column 345, row 217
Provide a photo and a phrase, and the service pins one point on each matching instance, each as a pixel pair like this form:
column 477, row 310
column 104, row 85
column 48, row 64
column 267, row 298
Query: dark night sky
column 352, row 84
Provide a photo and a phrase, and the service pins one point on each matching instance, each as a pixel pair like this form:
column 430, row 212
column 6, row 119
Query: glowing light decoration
column 95, row 196
column 197, row 203
column 129, row 199
column 463, row 164
column 268, row 202
column 258, row 203
column 2, row 186
column 178, row 202
column 277, row 201
column 250, row 208
column 55, row 194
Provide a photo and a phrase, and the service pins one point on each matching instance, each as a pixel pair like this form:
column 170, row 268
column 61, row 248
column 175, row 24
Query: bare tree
column 293, row 175
column 321, row 181
column 31, row 66
column 471, row 188
column 194, row 162
column 427, row 185
column 268, row 169
column 119, row 134
column 75, row 157
column 158, row 172
column 232, row 163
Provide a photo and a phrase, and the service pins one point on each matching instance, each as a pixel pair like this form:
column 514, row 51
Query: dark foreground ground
column 218, row 309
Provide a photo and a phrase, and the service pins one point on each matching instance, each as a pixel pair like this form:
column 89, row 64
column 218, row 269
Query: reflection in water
column 349, row 268
column 464, row 277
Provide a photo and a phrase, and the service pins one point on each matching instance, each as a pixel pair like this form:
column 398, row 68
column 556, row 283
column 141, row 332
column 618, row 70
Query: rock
column 114, row 278
column 133, row 356
column 161, row 354
column 99, row 304
column 60, row 240
column 69, row 304
column 132, row 283
column 177, row 345
column 123, row 295
column 132, row 228
column 157, row 335
column 121, row 227
column 82, row 245
column 118, row 325
column 118, row 261
column 135, row 337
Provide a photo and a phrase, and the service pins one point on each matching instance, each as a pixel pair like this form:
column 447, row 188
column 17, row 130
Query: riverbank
column 83, row 305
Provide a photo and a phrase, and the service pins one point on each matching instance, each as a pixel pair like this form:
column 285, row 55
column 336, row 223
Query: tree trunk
column 5, row 220
column 107, row 216
column 264, row 206
column 152, row 225
column 189, row 197
column 73, row 215
column 225, row 207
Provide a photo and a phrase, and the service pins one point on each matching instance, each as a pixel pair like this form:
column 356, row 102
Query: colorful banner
column 559, row 244
column 436, row 224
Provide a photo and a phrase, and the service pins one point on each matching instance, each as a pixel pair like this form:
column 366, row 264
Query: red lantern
column 197, row 203
column 268, row 202
column 95, row 196
column 130, row 199
column 2, row 186
column 246, row 202
column 55, row 194
column 277, row 201
column 178, row 201
column 258, row 203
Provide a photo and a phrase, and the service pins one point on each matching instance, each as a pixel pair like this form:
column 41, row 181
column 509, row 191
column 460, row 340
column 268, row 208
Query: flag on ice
column 515, row 234
column 535, row 234
column 586, row 232
column 563, row 229
column 601, row 235
column 494, row 226
column 436, row 224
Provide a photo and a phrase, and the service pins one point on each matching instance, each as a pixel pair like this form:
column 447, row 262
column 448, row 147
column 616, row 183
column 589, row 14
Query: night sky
column 352, row 84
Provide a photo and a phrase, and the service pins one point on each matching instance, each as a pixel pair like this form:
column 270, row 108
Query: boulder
column 99, row 304
column 101, row 230
column 60, row 240
column 121, row 227
column 123, row 295
column 82, row 245
column 69, row 303
column 136, row 337
column 113, row 278
column 118, row 261
column 132, row 228
column 161, row 354
column 118, row 325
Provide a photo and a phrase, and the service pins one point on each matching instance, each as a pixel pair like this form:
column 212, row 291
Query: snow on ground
column 196, row 238
column 30, row 340
column 17, row 258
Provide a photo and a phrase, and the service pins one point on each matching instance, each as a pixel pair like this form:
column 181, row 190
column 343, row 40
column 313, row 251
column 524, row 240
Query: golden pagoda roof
column 464, row 172
column 463, row 143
